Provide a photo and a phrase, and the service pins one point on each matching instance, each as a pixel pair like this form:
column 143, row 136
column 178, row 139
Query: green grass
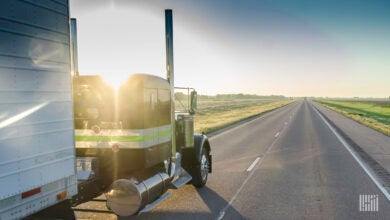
column 374, row 114
column 214, row 115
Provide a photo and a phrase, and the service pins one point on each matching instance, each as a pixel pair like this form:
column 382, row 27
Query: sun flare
column 115, row 80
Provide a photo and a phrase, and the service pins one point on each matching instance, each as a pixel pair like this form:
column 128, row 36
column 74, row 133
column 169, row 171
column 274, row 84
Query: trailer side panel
column 37, row 158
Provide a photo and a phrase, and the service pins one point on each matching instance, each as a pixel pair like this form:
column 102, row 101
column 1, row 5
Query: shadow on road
column 214, row 202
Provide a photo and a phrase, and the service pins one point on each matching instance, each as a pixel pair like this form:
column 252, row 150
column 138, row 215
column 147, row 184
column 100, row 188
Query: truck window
column 164, row 103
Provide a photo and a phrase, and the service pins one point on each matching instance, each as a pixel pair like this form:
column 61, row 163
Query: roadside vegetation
column 372, row 113
column 216, row 112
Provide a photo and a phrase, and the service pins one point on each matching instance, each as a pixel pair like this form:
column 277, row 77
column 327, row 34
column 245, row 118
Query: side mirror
column 194, row 102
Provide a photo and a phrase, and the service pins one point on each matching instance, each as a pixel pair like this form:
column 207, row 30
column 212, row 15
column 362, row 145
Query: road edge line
column 357, row 159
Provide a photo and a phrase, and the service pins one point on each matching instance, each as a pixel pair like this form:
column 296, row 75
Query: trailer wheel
column 201, row 171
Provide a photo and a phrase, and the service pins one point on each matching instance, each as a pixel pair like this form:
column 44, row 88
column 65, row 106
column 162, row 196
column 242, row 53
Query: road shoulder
column 372, row 146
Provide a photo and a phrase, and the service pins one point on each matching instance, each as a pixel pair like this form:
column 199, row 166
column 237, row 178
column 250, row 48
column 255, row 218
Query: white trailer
column 37, row 153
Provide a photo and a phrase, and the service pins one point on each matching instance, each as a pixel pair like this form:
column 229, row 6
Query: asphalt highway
column 286, row 164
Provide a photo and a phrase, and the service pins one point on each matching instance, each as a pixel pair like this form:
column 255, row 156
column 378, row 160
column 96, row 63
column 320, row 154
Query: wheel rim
column 204, row 167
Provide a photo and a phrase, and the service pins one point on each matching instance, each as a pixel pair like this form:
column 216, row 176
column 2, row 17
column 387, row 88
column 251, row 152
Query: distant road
column 287, row 164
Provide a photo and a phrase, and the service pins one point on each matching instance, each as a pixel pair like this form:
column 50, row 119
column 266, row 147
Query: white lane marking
column 358, row 160
column 253, row 164
column 277, row 134
column 221, row 215
column 223, row 211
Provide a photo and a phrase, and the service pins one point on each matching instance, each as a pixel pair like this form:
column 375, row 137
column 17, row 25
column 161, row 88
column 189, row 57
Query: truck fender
column 192, row 155
column 201, row 142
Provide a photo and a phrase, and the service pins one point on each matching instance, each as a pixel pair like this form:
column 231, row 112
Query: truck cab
column 124, row 137
column 127, row 128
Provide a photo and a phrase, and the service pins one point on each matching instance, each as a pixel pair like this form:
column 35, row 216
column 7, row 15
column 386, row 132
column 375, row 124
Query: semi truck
column 67, row 138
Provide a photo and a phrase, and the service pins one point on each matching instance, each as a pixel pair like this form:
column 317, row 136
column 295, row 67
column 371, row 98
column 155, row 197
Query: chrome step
column 181, row 180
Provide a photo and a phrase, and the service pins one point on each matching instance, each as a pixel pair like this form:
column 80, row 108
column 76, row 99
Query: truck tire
column 201, row 170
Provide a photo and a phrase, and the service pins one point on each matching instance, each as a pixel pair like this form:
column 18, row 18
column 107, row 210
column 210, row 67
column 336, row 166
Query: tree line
column 180, row 95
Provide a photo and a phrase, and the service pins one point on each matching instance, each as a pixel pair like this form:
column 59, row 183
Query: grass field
column 215, row 114
column 373, row 113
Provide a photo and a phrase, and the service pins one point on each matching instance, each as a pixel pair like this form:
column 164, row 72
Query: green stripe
column 123, row 138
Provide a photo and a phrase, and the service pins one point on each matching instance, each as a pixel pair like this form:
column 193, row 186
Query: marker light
column 61, row 195
column 115, row 148
column 96, row 129
column 31, row 193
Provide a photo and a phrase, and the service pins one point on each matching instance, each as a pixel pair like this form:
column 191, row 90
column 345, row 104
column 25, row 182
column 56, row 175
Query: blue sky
column 293, row 48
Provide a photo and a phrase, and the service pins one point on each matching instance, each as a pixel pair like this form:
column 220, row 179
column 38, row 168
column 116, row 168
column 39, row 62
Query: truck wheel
column 201, row 170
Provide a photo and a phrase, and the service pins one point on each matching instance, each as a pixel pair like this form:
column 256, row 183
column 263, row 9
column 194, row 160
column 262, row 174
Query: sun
column 115, row 79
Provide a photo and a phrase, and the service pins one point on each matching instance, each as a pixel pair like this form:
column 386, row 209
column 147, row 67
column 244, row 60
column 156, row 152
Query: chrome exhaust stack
column 127, row 197
column 170, row 71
